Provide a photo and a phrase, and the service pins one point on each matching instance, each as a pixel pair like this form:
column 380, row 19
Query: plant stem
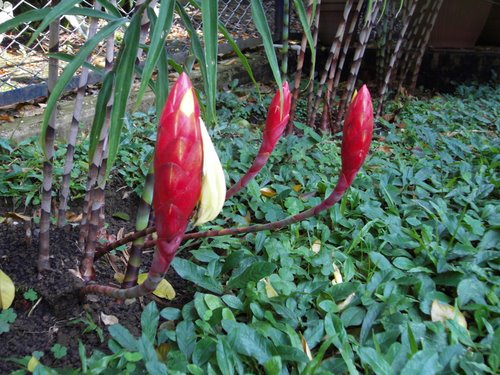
column 44, row 252
column 298, row 72
column 364, row 35
column 285, row 32
column 314, row 32
column 73, row 133
column 406, row 21
column 332, row 199
column 436, row 6
column 142, row 219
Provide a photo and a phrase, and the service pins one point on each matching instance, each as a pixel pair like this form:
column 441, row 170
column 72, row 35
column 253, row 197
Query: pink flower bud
column 357, row 135
column 178, row 166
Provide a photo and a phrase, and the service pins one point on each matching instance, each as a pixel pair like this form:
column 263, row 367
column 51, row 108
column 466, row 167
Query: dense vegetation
column 367, row 286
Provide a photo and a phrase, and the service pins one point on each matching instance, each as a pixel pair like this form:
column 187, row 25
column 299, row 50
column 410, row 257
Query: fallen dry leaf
column 108, row 320
column 441, row 312
column 316, row 246
column 267, row 192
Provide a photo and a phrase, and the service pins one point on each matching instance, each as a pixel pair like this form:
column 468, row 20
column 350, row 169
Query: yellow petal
column 441, row 311
column 267, row 192
column 7, row 291
column 213, row 183
column 164, row 289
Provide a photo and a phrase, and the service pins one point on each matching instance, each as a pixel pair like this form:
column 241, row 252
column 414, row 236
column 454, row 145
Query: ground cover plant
column 400, row 277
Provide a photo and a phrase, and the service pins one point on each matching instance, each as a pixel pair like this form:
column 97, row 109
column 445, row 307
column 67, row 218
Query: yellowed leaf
column 33, row 362
column 441, row 312
column 163, row 290
column 316, row 246
column 296, row 187
column 7, row 291
column 18, row 216
column 267, row 192
column 337, row 276
column 342, row 305
column 108, row 320
column 270, row 291
column 305, row 347
column 118, row 276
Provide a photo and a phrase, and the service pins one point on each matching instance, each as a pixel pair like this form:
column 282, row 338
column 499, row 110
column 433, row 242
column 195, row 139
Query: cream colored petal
column 213, row 183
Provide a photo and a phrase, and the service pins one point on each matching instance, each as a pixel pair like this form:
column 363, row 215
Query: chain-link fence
column 23, row 68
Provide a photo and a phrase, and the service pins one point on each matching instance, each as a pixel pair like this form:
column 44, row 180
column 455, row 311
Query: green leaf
column 203, row 351
column 149, row 321
column 247, row 341
column 209, row 18
column 471, row 290
column 123, row 337
column 254, row 272
column 100, row 113
column 198, row 275
column 124, row 69
column 53, row 14
column 306, row 28
column 224, row 355
column 423, row 362
column 375, row 361
column 273, row 366
column 158, row 33
column 260, row 20
column 121, row 215
column 70, row 70
column 186, row 337
column 59, row 351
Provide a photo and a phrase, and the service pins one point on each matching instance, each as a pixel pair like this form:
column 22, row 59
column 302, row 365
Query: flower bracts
column 276, row 121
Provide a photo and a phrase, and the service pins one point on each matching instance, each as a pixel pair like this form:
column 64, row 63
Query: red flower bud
column 178, row 167
column 357, row 135
column 276, row 121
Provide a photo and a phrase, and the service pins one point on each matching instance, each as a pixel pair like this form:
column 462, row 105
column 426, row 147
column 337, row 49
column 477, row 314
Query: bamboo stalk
column 298, row 71
column 142, row 219
column 357, row 59
column 332, row 59
column 406, row 21
column 436, row 6
column 314, row 32
column 335, row 74
column 414, row 40
column 285, row 33
column 73, row 133
column 44, row 252
column 94, row 166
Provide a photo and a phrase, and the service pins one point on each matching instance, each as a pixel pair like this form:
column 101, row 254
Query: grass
column 415, row 242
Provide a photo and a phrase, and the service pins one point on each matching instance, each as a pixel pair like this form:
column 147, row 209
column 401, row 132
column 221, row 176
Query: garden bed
column 418, row 229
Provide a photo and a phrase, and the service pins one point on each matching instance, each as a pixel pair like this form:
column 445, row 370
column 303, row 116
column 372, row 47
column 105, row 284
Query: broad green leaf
column 186, row 337
column 70, row 70
column 7, row 291
column 198, row 275
column 149, row 321
column 375, row 361
column 159, row 31
column 423, row 362
column 203, row 351
column 254, row 272
column 224, row 356
column 123, row 337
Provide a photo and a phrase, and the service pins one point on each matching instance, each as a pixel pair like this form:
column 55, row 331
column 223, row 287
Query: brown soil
column 55, row 318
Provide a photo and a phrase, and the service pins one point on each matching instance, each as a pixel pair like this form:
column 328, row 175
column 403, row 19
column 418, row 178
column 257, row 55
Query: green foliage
column 420, row 224
column 7, row 317
column 30, row 295
column 59, row 351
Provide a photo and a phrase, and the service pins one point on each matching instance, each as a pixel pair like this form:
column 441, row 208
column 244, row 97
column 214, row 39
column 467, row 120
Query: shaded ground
column 57, row 317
